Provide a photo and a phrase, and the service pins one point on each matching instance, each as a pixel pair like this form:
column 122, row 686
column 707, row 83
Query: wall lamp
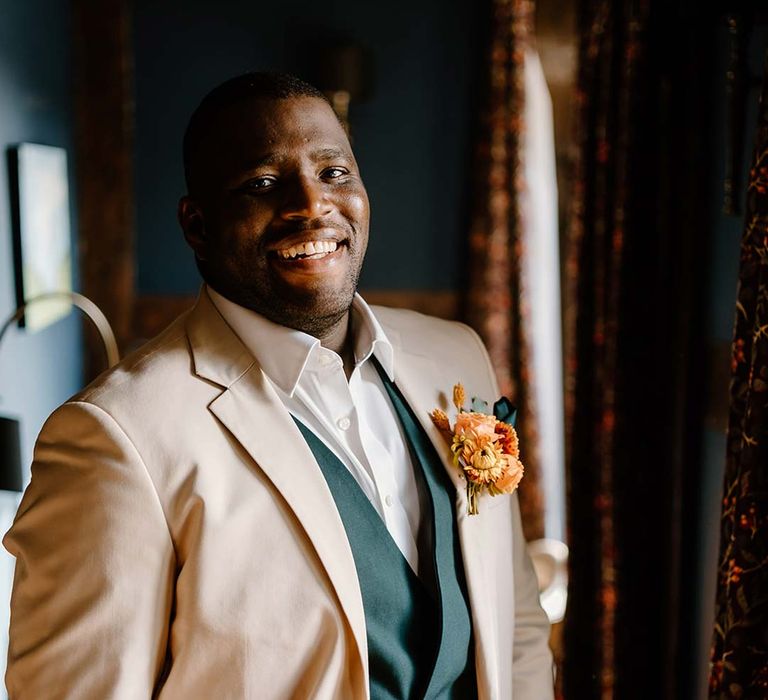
column 10, row 442
column 344, row 72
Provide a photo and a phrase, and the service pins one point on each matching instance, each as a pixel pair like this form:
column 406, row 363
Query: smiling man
column 256, row 504
column 277, row 215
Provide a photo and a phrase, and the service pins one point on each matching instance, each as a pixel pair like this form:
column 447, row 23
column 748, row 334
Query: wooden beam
column 104, row 161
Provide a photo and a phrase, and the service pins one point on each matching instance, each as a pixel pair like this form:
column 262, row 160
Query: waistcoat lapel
column 252, row 412
column 420, row 381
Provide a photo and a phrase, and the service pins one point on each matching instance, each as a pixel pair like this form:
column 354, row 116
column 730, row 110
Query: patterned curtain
column 622, row 470
column 594, row 259
column 739, row 661
column 495, row 295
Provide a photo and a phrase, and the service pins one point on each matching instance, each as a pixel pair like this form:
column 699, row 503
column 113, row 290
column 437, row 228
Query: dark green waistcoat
column 419, row 634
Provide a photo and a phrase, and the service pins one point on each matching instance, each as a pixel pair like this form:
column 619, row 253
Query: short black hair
column 248, row 86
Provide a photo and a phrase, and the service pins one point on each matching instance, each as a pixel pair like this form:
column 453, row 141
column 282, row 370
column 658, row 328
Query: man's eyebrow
column 261, row 161
column 319, row 154
column 329, row 153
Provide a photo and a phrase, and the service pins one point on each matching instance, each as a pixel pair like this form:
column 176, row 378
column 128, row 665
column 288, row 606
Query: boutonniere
column 484, row 446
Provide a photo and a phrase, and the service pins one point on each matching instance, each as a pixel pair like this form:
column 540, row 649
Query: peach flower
column 476, row 425
column 484, row 449
column 511, row 475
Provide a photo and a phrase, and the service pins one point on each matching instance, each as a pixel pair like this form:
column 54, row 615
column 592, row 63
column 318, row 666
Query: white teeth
column 310, row 248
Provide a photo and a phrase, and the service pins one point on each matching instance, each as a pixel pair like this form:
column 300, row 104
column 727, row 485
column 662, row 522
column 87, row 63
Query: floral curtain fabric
column 739, row 660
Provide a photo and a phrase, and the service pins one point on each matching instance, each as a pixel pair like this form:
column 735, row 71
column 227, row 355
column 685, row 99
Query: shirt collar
column 284, row 354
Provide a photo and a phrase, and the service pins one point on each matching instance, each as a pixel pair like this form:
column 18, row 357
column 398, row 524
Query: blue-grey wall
column 411, row 138
column 37, row 371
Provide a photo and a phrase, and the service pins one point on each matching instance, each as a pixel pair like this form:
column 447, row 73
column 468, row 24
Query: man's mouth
column 308, row 250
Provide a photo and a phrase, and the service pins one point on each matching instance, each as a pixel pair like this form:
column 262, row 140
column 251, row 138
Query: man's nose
column 305, row 199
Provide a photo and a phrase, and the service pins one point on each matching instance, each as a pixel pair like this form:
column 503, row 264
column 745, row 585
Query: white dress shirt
column 355, row 419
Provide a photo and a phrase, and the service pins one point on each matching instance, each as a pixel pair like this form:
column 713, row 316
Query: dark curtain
column 739, row 667
column 494, row 297
column 633, row 308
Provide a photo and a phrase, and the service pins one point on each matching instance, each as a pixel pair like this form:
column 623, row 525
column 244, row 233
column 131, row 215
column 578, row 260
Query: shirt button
column 388, row 500
column 344, row 423
column 326, row 359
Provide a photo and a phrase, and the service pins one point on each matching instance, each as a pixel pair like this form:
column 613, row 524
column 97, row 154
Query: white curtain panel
column 541, row 281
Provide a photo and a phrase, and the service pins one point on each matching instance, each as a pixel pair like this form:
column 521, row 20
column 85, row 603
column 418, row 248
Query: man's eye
column 334, row 173
column 260, row 183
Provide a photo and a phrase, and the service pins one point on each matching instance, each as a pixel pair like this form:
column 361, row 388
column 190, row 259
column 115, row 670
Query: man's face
column 280, row 218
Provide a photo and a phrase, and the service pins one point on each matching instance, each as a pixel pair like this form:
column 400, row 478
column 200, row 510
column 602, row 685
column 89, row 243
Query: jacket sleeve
column 92, row 590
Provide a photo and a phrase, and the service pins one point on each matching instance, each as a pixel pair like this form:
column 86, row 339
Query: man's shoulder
column 159, row 362
column 453, row 350
column 420, row 332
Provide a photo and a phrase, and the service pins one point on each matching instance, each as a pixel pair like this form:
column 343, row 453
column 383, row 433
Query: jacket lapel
column 252, row 412
column 418, row 378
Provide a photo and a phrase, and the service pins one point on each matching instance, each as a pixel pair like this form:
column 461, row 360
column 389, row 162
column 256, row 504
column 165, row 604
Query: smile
column 313, row 250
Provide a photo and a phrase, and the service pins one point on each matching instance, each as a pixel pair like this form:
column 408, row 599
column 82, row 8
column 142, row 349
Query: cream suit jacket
column 179, row 541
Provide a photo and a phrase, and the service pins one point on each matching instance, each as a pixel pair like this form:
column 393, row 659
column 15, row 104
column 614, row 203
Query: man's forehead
column 272, row 125
column 275, row 116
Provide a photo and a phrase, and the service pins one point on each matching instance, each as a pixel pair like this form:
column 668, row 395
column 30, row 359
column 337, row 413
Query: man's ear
column 193, row 224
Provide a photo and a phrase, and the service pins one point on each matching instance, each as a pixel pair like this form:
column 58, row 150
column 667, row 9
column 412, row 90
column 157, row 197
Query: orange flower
column 485, row 450
column 507, row 438
column 733, row 575
column 511, row 476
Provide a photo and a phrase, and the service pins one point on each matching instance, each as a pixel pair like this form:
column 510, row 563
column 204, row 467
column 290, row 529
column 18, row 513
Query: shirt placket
column 382, row 467
column 325, row 391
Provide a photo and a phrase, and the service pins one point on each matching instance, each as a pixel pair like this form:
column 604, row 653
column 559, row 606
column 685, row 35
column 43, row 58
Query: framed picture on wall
column 42, row 230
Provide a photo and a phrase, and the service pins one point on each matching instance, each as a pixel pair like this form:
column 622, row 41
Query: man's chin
column 317, row 324
column 313, row 308
column 313, row 312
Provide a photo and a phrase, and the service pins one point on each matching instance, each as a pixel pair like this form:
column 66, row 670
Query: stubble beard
column 317, row 316
column 316, row 312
